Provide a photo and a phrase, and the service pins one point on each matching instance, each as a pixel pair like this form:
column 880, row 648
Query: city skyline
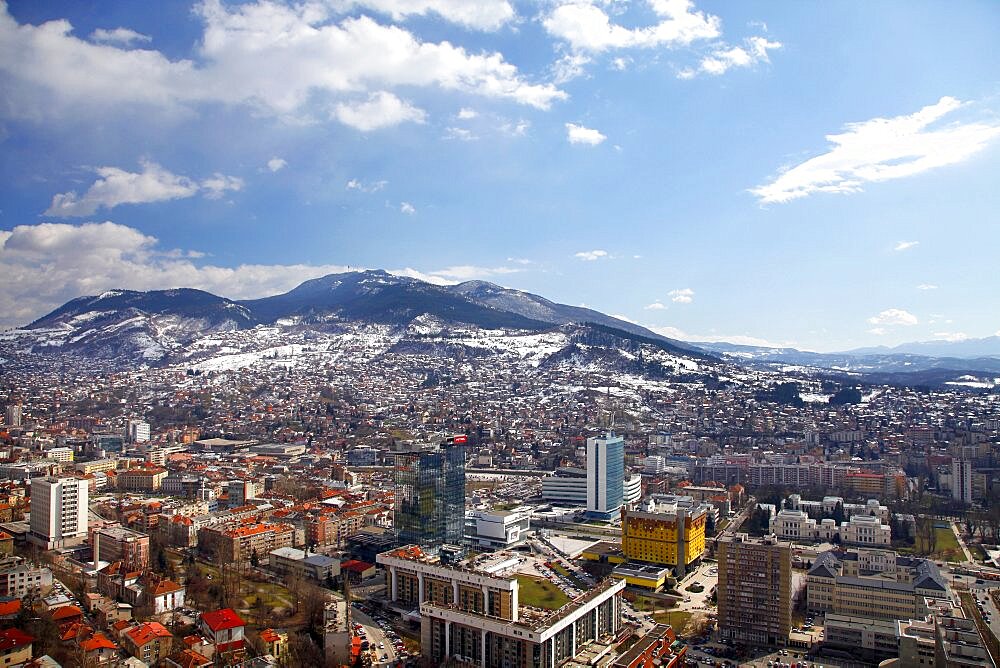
column 795, row 175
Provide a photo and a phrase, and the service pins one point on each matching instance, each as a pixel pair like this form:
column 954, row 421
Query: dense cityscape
column 404, row 508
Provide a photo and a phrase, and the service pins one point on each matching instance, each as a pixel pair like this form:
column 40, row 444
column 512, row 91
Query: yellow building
column 666, row 530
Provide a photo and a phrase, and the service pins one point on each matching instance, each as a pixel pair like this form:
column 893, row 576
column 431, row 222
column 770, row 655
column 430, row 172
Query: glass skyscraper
column 605, row 475
column 430, row 494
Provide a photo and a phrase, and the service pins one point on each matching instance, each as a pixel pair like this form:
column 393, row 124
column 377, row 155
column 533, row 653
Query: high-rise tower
column 430, row 494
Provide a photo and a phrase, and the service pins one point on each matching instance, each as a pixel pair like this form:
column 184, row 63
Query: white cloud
column 882, row 149
column 361, row 186
column 682, row 296
column 738, row 339
column 927, row 286
column 480, row 14
column 520, row 260
column 893, row 316
column 465, row 114
column 123, row 36
column 951, row 336
column 380, row 110
column 48, row 264
column 407, row 208
column 655, row 306
column 218, row 185
column 590, row 256
column 877, row 331
column 721, row 60
column 578, row 134
column 153, row 184
column 284, row 60
column 277, row 164
column 518, row 129
column 454, row 274
column 905, row 245
column 462, row 134
column 587, row 27
column 569, row 67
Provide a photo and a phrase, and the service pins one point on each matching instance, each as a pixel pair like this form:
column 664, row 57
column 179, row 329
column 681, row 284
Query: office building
column 470, row 612
column 665, row 530
column 241, row 491
column 137, row 431
column 755, row 589
column 58, row 511
column 961, row 480
column 605, row 475
column 632, row 490
column 497, row 529
column 876, row 584
column 567, row 485
column 430, row 494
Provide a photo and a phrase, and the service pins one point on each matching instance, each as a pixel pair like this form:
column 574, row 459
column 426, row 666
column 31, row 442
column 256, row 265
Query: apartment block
column 755, row 589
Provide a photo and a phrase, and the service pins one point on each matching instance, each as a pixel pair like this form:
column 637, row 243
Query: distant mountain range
column 160, row 326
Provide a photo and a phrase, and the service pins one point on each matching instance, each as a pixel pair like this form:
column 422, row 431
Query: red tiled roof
column 190, row 659
column 355, row 566
column 147, row 632
column 10, row 607
column 219, row 620
column 66, row 612
column 12, row 638
column 98, row 641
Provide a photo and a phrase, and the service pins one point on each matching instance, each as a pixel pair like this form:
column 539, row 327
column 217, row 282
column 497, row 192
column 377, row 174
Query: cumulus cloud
column 927, row 286
column 361, row 186
column 274, row 58
column 590, row 256
column 893, row 316
column 682, row 296
column 905, row 245
column 455, row 274
column 655, row 306
column 481, row 14
column 585, row 26
column 407, row 208
column 153, row 184
column 462, row 134
column 723, row 59
column 739, row 339
column 882, row 149
column 123, row 36
column 276, row 164
column 48, row 264
column 465, row 113
column 578, row 134
column 380, row 110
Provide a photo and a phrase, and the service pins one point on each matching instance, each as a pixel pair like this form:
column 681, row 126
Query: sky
column 818, row 175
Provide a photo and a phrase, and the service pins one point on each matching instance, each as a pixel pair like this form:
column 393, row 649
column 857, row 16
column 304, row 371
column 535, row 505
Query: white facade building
column 961, row 480
column 58, row 511
column 138, row 432
column 497, row 529
column 632, row 490
column 605, row 475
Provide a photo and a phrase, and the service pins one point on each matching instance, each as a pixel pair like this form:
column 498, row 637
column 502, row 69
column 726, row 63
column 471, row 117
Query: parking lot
column 384, row 643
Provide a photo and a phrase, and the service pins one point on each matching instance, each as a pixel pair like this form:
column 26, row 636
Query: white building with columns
column 470, row 611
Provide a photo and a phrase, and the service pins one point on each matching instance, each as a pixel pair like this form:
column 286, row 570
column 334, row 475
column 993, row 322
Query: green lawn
column 677, row 619
column 540, row 593
column 947, row 548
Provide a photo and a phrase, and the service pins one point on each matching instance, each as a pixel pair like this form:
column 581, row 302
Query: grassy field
column 947, row 548
column 540, row 593
column 678, row 619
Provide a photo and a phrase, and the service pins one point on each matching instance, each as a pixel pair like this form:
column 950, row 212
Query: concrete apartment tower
column 755, row 589
column 58, row 511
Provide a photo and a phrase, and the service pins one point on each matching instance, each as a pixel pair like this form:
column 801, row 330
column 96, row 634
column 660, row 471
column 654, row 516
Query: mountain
column 964, row 349
column 538, row 308
column 401, row 314
column 377, row 296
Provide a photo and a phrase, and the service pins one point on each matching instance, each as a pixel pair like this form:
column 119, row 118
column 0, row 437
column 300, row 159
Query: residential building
column 18, row 578
column 231, row 544
column 605, row 475
column 961, row 480
column 290, row 561
column 430, row 494
column 116, row 543
column 632, row 490
column 470, row 611
column 15, row 644
column 148, row 641
column 148, row 479
column 241, row 491
column 13, row 415
column 137, row 431
column 755, row 589
column 63, row 455
column 497, row 529
column 224, row 628
column 59, row 512
column 665, row 530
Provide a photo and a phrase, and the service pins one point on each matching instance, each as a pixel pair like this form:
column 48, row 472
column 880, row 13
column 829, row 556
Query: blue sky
column 823, row 175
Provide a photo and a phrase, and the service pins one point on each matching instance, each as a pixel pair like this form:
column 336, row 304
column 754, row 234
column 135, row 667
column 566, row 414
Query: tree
column 254, row 559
